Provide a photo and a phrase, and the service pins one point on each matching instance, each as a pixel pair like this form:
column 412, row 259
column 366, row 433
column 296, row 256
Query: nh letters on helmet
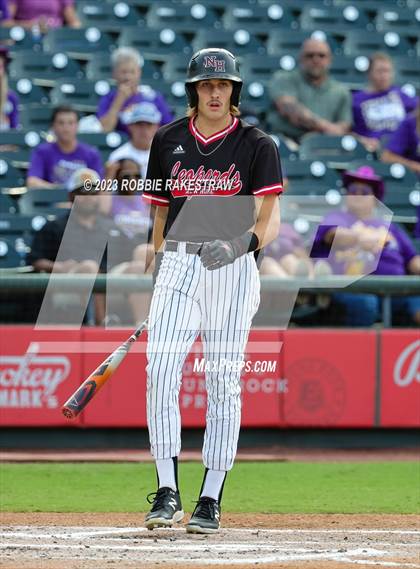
column 217, row 64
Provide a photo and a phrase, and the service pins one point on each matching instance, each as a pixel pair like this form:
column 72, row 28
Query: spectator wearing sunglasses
column 365, row 243
column 307, row 99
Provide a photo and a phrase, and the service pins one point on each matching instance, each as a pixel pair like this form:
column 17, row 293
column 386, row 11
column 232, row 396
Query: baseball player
column 216, row 207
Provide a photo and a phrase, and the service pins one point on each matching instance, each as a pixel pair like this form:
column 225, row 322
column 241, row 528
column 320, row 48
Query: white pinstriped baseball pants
column 189, row 299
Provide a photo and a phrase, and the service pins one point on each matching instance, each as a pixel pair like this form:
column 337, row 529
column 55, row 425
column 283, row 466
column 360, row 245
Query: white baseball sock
column 213, row 484
column 166, row 473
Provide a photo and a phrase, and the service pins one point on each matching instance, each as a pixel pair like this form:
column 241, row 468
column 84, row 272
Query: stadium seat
column 108, row 17
column 181, row 17
column 348, row 70
column 285, row 152
column 239, row 42
column 44, row 201
column 105, row 143
column 18, row 225
column 359, row 42
column 400, row 201
column 407, row 70
column 36, row 116
column 9, row 175
column 7, row 203
column 288, row 43
column 309, row 176
column 99, row 67
column 154, row 44
column 255, row 96
column 79, row 43
column 395, row 175
column 332, row 148
column 258, row 19
column 19, row 139
column 333, row 19
column 28, row 92
column 9, row 256
column 18, row 39
column 43, row 68
column 398, row 19
column 81, row 94
column 174, row 68
column 260, row 67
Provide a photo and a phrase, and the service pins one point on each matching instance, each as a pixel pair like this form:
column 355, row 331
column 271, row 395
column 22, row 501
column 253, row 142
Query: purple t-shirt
column 4, row 10
column 376, row 114
column 417, row 227
column 287, row 241
column 132, row 215
column 51, row 10
column 145, row 93
column 50, row 163
column 405, row 141
column 11, row 113
column 397, row 252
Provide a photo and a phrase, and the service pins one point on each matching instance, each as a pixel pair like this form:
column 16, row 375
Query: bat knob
column 68, row 413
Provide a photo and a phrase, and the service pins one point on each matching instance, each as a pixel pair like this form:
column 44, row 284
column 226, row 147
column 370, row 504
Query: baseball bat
column 97, row 379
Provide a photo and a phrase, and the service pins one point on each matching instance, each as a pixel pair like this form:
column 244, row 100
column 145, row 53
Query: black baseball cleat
column 166, row 509
column 206, row 517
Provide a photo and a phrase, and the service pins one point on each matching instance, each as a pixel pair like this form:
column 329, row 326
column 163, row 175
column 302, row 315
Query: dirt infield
column 76, row 541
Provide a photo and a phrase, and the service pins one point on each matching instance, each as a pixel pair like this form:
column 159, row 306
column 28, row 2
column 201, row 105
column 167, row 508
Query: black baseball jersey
column 209, row 183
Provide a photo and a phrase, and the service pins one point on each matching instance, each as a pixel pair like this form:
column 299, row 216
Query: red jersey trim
column 216, row 136
column 274, row 189
column 156, row 201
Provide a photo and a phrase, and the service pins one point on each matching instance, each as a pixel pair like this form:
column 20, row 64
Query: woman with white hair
column 127, row 64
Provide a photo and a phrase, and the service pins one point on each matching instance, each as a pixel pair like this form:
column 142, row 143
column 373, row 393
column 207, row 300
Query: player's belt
column 190, row 247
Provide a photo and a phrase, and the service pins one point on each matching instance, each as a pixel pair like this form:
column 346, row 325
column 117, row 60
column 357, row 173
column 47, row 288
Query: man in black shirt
column 215, row 182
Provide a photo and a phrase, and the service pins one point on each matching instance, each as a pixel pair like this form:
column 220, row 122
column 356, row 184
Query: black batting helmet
column 213, row 63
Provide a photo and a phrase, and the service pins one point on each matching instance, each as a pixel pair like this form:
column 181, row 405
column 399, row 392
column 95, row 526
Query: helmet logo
column 212, row 61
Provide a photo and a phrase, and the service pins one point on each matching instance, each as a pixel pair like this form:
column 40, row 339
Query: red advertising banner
column 400, row 378
column 36, row 375
column 330, row 378
column 122, row 401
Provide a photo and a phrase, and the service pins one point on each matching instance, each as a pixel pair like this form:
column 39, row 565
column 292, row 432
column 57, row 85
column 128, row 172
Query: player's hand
column 217, row 254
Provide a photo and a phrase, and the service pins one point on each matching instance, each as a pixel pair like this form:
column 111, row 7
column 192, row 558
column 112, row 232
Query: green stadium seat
column 398, row 19
column 99, row 67
column 7, row 203
column 255, row 96
column 44, row 202
column 9, row 256
column 334, row 149
column 359, row 42
column 9, row 175
column 285, row 152
column 36, row 116
column 260, row 67
column 407, row 70
column 258, row 19
column 81, row 94
column 288, row 43
column 19, row 139
column 79, row 43
column 401, row 200
column 181, row 17
column 28, row 92
column 174, row 68
column 333, row 19
column 313, row 176
column 108, row 17
column 44, row 67
column 105, row 143
column 348, row 70
column 18, row 39
column 18, row 225
column 239, row 42
column 154, row 44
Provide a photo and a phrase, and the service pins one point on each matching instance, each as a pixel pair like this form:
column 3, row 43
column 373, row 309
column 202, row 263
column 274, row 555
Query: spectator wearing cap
column 142, row 122
column 366, row 244
column 403, row 145
column 308, row 99
column 379, row 109
column 86, row 232
column 53, row 163
column 9, row 114
column 127, row 66
column 44, row 13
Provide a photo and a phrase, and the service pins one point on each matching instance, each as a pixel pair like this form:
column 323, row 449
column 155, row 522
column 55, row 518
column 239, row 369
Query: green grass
column 377, row 487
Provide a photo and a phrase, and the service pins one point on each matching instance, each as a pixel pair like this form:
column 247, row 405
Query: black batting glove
column 216, row 254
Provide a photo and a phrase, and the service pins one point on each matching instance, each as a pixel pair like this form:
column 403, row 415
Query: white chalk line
column 303, row 556
column 97, row 531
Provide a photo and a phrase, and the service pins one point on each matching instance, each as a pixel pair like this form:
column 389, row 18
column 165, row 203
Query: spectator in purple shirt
column 4, row 12
column 9, row 117
column 53, row 163
column 366, row 244
column 126, row 65
column 44, row 13
column 404, row 145
column 379, row 109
